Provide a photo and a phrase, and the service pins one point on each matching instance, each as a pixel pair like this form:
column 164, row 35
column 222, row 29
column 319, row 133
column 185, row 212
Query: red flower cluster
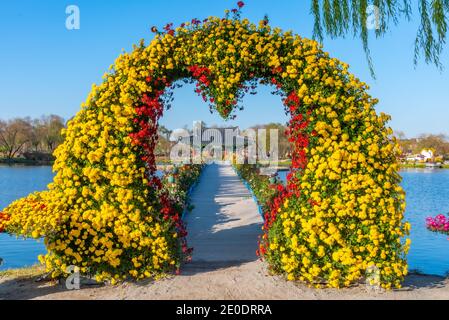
column 276, row 70
column 297, row 132
column 168, row 26
column 299, row 139
column 145, row 136
column 3, row 218
column 240, row 5
column 169, row 29
column 202, row 74
column 276, row 83
column 148, row 114
column 292, row 101
column 270, row 217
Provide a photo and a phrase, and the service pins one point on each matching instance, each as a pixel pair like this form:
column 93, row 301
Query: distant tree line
column 164, row 144
column 283, row 143
column 437, row 142
column 21, row 135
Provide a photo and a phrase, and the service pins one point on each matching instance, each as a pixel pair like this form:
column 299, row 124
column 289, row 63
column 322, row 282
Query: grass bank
column 24, row 273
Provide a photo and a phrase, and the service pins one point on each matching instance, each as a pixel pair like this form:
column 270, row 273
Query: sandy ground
column 216, row 281
column 223, row 230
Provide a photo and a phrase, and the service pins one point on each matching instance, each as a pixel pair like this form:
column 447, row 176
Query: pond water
column 427, row 194
column 17, row 182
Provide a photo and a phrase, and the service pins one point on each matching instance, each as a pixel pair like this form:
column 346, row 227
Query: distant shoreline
column 422, row 166
column 164, row 164
column 26, row 162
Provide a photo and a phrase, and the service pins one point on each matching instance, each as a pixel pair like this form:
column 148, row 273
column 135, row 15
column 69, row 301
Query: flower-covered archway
column 340, row 213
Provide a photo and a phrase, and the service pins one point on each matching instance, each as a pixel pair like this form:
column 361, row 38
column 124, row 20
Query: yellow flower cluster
column 348, row 218
column 101, row 214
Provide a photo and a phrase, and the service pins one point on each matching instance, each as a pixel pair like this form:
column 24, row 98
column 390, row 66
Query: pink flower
column 439, row 223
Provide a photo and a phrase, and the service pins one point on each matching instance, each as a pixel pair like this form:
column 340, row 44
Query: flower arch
column 340, row 213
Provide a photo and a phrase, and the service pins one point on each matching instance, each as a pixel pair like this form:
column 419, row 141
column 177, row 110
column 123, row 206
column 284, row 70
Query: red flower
column 168, row 26
column 3, row 217
column 148, row 112
column 198, row 71
column 240, row 4
column 203, row 79
column 276, row 70
column 292, row 101
column 299, row 137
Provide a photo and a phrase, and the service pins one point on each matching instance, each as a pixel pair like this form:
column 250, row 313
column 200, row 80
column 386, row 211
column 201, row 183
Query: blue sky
column 45, row 68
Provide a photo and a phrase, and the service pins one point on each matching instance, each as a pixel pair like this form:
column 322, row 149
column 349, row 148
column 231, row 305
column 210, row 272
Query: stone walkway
column 225, row 224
